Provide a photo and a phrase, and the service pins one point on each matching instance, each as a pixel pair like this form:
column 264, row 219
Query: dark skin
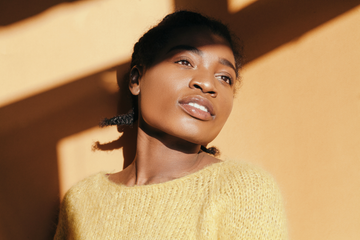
column 185, row 99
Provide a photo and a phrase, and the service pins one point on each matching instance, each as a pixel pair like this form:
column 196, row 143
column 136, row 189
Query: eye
column 226, row 79
column 184, row 62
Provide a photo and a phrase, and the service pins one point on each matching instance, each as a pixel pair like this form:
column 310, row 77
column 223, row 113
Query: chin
column 194, row 135
column 189, row 130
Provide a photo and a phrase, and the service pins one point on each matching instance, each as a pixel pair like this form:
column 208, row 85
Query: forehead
column 196, row 37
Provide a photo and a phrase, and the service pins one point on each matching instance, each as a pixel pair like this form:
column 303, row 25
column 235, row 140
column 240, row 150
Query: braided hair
column 153, row 41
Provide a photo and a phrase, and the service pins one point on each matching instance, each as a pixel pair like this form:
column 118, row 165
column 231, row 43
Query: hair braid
column 123, row 119
column 211, row 150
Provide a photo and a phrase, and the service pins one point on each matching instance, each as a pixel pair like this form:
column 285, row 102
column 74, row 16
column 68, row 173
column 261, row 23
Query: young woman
column 183, row 76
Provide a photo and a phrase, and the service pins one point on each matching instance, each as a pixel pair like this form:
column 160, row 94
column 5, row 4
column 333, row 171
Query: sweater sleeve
column 255, row 208
column 63, row 230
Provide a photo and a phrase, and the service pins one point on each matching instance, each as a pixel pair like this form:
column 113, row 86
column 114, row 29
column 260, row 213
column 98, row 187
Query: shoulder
column 253, row 200
column 241, row 181
column 245, row 175
column 85, row 188
column 75, row 204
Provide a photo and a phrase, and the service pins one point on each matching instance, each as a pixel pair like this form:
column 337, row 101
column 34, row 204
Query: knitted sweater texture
column 225, row 200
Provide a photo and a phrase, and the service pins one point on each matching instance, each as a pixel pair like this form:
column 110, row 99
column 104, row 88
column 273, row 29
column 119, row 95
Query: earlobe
column 134, row 83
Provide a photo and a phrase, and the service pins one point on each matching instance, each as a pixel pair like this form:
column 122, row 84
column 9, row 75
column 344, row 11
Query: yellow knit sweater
column 225, row 200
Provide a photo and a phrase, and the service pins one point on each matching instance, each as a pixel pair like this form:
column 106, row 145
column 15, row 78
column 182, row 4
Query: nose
column 205, row 83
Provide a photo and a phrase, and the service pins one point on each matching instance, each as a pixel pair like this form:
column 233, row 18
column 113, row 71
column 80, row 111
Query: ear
column 134, row 83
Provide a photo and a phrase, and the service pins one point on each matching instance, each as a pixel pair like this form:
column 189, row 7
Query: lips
column 197, row 107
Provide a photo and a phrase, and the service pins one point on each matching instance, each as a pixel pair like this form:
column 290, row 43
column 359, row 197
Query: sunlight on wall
column 77, row 160
column 70, row 41
column 236, row 5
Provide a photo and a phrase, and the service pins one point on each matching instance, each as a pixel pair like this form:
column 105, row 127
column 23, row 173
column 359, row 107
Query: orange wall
column 297, row 112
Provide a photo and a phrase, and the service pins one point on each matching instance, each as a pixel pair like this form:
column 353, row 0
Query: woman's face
column 188, row 92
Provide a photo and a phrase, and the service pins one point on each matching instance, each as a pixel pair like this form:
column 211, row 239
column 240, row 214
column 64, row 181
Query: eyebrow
column 222, row 61
column 187, row 48
column 226, row 62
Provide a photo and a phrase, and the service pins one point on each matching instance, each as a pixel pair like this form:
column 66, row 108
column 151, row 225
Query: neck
column 163, row 158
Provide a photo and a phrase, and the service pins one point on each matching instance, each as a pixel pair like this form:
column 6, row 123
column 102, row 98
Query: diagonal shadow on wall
column 267, row 24
column 31, row 128
column 17, row 10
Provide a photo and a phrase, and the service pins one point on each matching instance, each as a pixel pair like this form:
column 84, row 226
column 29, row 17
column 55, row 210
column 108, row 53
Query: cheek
column 157, row 102
column 159, row 92
column 152, row 105
column 226, row 106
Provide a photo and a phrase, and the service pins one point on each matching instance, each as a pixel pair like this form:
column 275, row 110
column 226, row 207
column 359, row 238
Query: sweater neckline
column 190, row 176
